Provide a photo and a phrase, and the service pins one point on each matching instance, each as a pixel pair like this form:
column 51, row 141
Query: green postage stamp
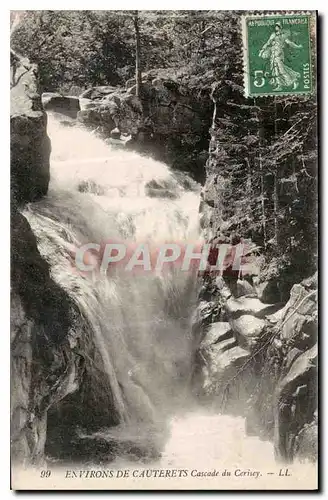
column 277, row 53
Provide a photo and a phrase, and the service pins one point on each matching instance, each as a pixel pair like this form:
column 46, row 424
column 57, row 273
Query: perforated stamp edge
column 312, row 14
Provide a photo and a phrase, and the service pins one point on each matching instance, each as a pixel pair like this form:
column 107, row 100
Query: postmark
column 277, row 54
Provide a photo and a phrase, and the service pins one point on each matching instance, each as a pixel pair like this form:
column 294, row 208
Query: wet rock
column 53, row 355
column 209, row 193
column 46, row 97
column 203, row 315
column 291, row 355
column 216, row 332
column 205, row 310
column 162, row 189
column 90, row 186
column 286, row 396
column 115, row 133
column 301, row 366
column 250, row 306
column 21, row 376
column 222, row 287
column 43, row 368
column 94, row 119
column 296, row 402
column 304, row 300
column 66, row 105
column 247, row 330
column 217, row 364
column 277, row 316
column 304, row 319
column 205, row 214
column 86, row 104
column 220, row 364
column 220, row 358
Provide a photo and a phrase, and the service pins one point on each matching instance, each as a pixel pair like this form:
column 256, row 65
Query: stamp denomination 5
column 277, row 54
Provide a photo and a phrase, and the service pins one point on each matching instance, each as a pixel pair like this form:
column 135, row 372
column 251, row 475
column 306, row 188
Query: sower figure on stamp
column 273, row 49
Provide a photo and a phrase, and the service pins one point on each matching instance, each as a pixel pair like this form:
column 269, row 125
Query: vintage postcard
column 164, row 250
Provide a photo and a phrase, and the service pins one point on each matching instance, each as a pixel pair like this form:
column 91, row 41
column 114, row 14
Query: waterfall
column 140, row 322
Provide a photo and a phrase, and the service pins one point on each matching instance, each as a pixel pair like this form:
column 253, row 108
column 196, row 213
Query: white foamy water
column 119, row 178
column 213, row 441
column 141, row 323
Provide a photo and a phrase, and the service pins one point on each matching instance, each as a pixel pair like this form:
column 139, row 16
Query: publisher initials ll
column 284, row 472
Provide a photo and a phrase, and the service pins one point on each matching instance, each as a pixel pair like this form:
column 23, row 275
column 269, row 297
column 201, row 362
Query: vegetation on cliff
column 83, row 48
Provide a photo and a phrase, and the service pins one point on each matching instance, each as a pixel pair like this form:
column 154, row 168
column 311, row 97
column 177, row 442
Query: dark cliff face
column 52, row 356
column 258, row 331
column 261, row 182
column 52, row 349
column 30, row 145
column 44, row 368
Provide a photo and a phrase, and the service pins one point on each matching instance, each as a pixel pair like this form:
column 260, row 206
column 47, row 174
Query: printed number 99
column 45, row 473
column 259, row 79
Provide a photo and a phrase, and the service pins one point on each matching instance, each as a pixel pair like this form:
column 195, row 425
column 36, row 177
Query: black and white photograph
column 164, row 250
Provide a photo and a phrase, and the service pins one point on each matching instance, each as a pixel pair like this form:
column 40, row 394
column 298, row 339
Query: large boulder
column 216, row 333
column 94, row 117
column 223, row 372
column 248, row 330
column 40, row 328
column 301, row 325
column 245, row 289
column 65, row 105
column 222, row 361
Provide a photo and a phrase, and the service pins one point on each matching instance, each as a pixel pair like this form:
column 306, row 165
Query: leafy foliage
column 77, row 48
column 82, row 48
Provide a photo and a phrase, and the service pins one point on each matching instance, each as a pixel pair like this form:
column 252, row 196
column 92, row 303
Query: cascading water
column 141, row 323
